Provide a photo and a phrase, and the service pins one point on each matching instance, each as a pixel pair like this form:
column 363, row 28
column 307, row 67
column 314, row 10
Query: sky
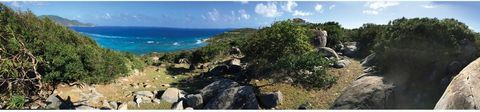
column 253, row 14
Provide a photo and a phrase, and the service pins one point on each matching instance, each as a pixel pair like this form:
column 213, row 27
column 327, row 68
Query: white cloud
column 378, row 5
column 244, row 14
column 331, row 7
column 289, row 6
column 301, row 13
column 429, row 6
column 370, row 12
column 267, row 10
column 318, row 7
column 374, row 8
column 214, row 15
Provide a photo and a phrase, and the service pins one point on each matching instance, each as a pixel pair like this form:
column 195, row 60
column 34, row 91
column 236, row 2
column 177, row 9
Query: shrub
column 421, row 42
column 366, row 36
column 312, row 62
column 281, row 39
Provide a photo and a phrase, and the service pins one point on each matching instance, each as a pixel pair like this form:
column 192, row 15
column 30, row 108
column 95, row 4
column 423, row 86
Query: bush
column 281, row 39
column 62, row 55
column 366, row 36
column 312, row 62
column 421, row 42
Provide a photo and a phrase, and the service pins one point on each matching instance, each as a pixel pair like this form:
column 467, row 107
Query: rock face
column 53, row 102
column 219, row 70
column 235, row 66
column 178, row 106
column 271, row 99
column 368, row 61
column 329, row 52
column 242, row 97
column 368, row 92
column 463, row 92
column 215, row 88
column 172, row 95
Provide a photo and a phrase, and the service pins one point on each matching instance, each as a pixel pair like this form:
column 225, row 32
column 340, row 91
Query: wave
column 176, row 44
column 102, row 36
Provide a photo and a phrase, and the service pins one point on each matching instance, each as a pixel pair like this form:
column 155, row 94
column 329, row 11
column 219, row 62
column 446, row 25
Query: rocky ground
column 145, row 90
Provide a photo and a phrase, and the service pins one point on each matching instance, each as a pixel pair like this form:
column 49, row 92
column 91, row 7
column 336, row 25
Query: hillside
column 65, row 21
column 37, row 54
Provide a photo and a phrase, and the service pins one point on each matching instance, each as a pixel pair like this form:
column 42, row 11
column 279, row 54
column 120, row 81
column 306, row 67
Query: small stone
column 114, row 105
column 174, row 77
column 83, row 107
column 165, row 85
column 147, row 86
column 123, row 106
column 189, row 108
column 106, row 104
column 156, row 100
column 156, row 78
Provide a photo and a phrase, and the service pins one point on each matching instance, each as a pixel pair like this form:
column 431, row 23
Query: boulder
column 351, row 48
column 156, row 100
column 242, row 97
column 341, row 64
column 123, row 106
column 53, row 102
column 463, row 92
column 215, row 88
column 368, row 61
column 172, row 95
column 234, row 66
column 320, row 39
column 144, row 93
column 105, row 104
column 367, row 92
column 271, row 99
column 329, row 52
column 194, row 100
column 235, row 51
column 219, row 70
column 114, row 105
column 178, row 106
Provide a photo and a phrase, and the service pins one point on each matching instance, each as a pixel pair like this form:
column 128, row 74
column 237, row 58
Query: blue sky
column 254, row 14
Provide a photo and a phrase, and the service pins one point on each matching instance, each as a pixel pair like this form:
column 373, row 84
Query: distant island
column 65, row 21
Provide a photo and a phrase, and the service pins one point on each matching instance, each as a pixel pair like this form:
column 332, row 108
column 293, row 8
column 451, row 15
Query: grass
column 294, row 96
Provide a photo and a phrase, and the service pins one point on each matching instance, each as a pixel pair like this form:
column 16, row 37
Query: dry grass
column 294, row 96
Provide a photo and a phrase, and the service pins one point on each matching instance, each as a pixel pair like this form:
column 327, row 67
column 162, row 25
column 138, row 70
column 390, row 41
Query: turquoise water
column 142, row 40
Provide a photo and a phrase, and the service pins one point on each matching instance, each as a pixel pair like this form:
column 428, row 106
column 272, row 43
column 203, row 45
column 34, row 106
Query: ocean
column 143, row 40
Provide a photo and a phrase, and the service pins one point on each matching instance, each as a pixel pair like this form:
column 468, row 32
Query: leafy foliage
column 311, row 62
column 421, row 42
column 366, row 36
column 62, row 55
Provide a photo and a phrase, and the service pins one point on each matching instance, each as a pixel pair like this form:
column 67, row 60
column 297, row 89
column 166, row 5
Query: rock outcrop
column 463, row 92
column 329, row 52
column 271, row 99
column 368, row 92
column 320, row 39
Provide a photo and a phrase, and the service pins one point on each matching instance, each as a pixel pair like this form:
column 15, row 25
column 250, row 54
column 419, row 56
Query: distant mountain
column 65, row 21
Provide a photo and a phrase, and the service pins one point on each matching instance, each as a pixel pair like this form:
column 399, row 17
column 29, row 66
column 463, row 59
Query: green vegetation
column 64, row 21
column 36, row 51
column 423, row 42
column 16, row 102
column 366, row 36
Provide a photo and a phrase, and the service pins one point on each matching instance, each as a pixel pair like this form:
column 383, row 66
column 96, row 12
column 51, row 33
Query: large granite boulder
column 242, row 97
column 329, row 52
column 211, row 90
column 320, row 39
column 351, row 48
column 194, row 100
column 368, row 92
column 463, row 92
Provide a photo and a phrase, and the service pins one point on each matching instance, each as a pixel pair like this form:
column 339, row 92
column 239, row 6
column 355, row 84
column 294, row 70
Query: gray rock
column 368, row 92
column 178, row 106
column 328, row 52
column 172, row 95
column 242, row 97
column 105, row 104
column 84, row 107
column 123, row 106
column 53, row 102
column 219, row 70
column 138, row 100
column 368, row 61
column 211, row 90
column 158, row 101
column 114, row 105
column 271, row 99
column 144, row 93
column 194, row 100
column 463, row 92
column 189, row 108
column 351, row 48
column 341, row 64
column 234, row 66
column 320, row 39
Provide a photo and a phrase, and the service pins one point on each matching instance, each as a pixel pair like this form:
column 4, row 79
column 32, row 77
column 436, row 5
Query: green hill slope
column 65, row 21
